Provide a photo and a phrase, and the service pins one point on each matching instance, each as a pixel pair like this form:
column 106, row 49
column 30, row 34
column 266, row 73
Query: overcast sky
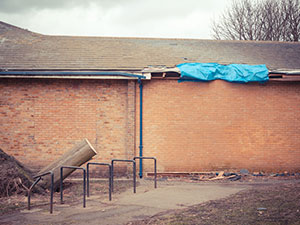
column 122, row 18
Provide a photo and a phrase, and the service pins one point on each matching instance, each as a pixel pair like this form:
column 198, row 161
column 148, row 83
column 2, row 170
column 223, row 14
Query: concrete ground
column 127, row 206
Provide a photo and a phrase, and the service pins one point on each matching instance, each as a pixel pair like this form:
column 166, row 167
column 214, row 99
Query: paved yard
column 125, row 206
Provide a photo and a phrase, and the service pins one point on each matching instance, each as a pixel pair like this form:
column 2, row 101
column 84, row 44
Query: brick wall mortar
column 189, row 127
column 130, row 122
column 41, row 119
column 218, row 125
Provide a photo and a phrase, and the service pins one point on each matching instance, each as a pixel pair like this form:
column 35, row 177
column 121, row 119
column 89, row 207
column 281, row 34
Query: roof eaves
column 74, row 74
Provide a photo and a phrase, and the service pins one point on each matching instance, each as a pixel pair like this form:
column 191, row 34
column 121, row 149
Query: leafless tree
column 273, row 20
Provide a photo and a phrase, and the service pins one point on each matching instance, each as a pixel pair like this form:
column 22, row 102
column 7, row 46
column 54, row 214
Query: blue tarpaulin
column 238, row 73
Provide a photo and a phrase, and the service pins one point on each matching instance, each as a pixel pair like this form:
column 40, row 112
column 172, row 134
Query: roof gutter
column 285, row 72
column 72, row 75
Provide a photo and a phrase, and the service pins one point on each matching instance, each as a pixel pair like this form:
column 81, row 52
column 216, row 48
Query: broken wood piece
column 78, row 155
column 221, row 174
column 219, row 177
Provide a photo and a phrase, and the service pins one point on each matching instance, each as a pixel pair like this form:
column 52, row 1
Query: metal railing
column 39, row 177
column 133, row 171
column 88, row 177
column 61, row 182
column 155, row 172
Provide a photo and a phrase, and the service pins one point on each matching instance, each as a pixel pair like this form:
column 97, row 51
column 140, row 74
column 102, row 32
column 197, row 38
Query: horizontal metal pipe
column 66, row 73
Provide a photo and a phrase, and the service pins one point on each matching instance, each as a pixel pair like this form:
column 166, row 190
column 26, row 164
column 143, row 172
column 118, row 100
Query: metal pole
column 84, row 178
column 29, row 191
column 134, row 177
column 110, row 183
column 141, row 127
column 51, row 194
column 155, row 174
column 112, row 176
column 87, row 181
column 61, row 185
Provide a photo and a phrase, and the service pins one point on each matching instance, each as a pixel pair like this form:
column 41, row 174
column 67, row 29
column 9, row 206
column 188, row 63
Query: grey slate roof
column 24, row 50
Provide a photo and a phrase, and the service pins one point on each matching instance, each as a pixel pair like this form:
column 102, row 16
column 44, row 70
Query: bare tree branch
column 273, row 20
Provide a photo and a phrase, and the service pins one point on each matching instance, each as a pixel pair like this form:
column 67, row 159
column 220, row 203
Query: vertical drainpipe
column 141, row 127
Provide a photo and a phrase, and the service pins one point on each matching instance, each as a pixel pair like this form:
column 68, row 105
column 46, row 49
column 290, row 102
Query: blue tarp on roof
column 238, row 73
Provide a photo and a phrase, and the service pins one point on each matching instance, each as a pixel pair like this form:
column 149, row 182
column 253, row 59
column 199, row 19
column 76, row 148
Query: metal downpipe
column 141, row 128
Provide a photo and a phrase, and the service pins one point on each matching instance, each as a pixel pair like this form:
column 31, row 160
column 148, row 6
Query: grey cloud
column 160, row 18
column 137, row 12
column 19, row 6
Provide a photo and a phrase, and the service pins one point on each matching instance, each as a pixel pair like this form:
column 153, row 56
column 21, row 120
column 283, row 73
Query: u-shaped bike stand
column 88, row 177
column 39, row 177
column 61, row 182
column 155, row 173
column 133, row 171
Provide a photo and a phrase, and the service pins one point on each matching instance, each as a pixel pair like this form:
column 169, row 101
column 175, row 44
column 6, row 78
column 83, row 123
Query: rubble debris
column 236, row 177
column 242, row 175
column 219, row 176
column 244, row 171
column 15, row 178
column 227, row 174
column 233, row 176
column 257, row 174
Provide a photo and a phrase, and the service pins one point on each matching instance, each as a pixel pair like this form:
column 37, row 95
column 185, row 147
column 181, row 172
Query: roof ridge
column 172, row 39
column 4, row 27
column 12, row 27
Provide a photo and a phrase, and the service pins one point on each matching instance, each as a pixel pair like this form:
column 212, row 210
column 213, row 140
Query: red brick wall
column 192, row 127
column 41, row 119
column 189, row 127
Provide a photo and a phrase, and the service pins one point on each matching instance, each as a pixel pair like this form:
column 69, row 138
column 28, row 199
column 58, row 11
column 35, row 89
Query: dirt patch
column 272, row 203
column 14, row 177
column 73, row 190
column 124, row 207
column 261, row 201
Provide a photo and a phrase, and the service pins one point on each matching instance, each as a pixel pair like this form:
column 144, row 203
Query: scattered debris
column 243, row 175
column 229, row 174
column 244, row 171
column 219, row 176
column 261, row 209
column 257, row 174
column 236, row 177
column 216, row 176
column 15, row 178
